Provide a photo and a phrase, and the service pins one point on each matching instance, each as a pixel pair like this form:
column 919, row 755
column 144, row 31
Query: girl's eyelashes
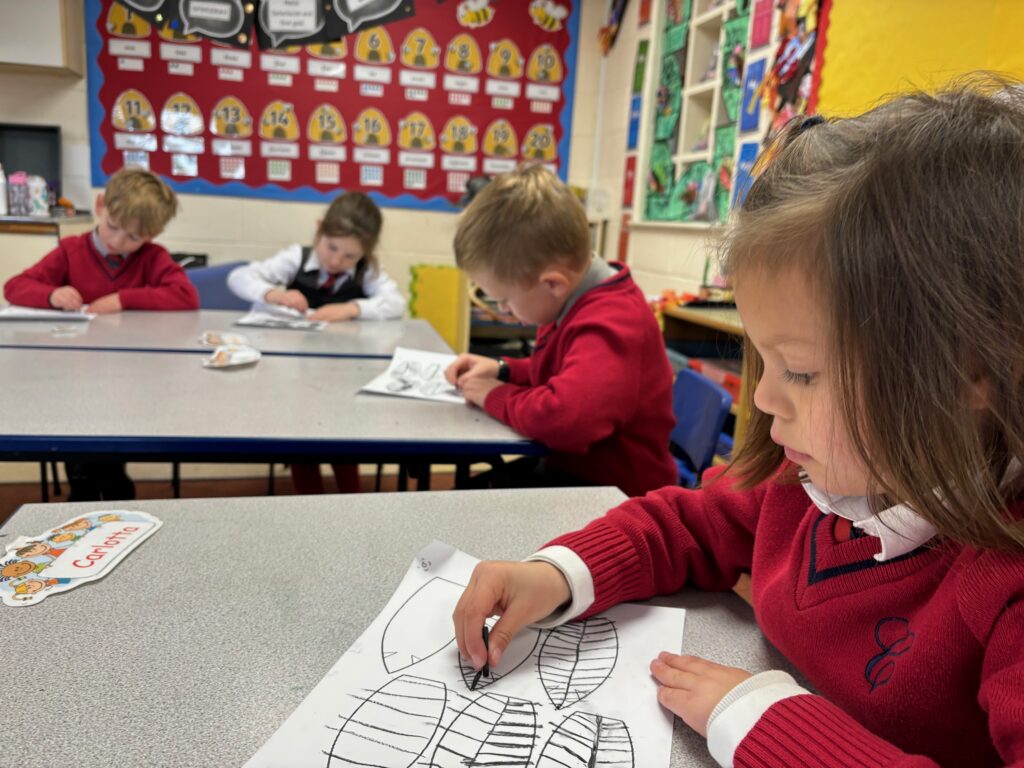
column 798, row 378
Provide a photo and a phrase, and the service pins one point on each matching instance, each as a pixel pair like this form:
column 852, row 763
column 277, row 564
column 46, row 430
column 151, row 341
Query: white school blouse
column 252, row 281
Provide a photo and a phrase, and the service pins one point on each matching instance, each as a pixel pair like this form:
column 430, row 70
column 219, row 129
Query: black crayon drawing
column 392, row 726
column 518, row 651
column 413, row 633
column 492, row 730
column 584, row 740
column 576, row 658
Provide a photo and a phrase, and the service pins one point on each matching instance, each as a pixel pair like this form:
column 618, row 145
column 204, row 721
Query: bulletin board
column 406, row 111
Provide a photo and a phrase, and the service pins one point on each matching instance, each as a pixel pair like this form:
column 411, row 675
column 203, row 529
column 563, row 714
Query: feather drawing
column 407, row 639
column 518, row 651
column 392, row 726
column 576, row 658
column 584, row 740
column 492, row 730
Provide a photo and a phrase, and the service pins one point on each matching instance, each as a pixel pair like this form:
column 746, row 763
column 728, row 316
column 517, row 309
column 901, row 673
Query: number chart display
column 407, row 111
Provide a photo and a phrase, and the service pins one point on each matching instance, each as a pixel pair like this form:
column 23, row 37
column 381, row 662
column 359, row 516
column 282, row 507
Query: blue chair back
column 212, row 284
column 700, row 407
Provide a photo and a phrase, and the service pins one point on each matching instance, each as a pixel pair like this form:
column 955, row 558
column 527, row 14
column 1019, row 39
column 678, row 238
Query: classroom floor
column 13, row 495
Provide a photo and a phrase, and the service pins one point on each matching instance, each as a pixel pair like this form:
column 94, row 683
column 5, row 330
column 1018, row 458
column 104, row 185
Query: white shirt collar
column 899, row 528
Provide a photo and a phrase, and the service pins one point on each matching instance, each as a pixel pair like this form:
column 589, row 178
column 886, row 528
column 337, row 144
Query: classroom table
column 141, row 406
column 204, row 640
column 180, row 331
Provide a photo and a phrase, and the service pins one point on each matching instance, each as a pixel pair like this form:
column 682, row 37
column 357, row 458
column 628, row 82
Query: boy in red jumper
column 598, row 389
column 878, row 500
column 116, row 266
column 113, row 268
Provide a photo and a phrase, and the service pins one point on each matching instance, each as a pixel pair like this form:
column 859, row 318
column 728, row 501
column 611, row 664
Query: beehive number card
column 81, row 550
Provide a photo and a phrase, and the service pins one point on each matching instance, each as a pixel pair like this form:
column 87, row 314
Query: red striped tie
column 329, row 282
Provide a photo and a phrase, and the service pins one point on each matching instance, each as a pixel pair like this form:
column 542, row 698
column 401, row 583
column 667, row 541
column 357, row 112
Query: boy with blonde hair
column 113, row 268
column 116, row 266
column 598, row 389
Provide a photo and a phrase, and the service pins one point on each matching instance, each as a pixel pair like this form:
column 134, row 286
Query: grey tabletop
column 201, row 642
column 125, row 401
column 180, row 331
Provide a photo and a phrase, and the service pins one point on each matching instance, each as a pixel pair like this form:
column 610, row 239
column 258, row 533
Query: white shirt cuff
column 740, row 709
column 576, row 573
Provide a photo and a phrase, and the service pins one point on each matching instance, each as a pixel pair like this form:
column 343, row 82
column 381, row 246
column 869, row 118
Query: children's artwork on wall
column 787, row 88
column 761, row 25
column 669, row 103
column 403, row 696
column 677, row 25
column 393, row 98
column 750, row 111
column 744, row 172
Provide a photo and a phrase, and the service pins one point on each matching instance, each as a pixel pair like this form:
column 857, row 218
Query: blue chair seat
column 700, row 407
column 212, row 284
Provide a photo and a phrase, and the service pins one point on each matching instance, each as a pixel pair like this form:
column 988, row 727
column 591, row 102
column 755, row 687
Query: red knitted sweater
column 918, row 661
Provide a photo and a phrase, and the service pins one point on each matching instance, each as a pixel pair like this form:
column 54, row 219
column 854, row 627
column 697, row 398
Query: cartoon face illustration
column 374, row 47
column 420, row 50
column 326, row 125
column 335, row 51
column 230, row 119
column 505, row 60
column 500, row 139
column 12, row 569
column 81, row 524
column 132, row 112
column 459, row 136
column 279, row 121
column 176, row 35
column 34, row 549
column 181, row 116
column 548, row 15
column 61, row 538
column 539, row 143
column 474, row 13
column 371, row 128
column 123, row 22
column 463, row 56
column 415, row 131
column 108, row 518
column 545, row 65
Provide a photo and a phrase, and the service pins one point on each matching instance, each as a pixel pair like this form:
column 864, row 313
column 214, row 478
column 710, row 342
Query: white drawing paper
column 268, row 320
column 418, row 374
column 580, row 695
column 12, row 312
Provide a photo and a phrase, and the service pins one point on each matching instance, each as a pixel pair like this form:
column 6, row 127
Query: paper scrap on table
column 418, row 374
column 220, row 339
column 12, row 312
column 231, row 356
column 268, row 320
column 577, row 695
column 81, row 550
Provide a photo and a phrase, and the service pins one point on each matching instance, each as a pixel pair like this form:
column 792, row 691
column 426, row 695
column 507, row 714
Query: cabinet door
column 46, row 34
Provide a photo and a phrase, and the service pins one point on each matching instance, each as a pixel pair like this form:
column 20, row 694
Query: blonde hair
column 139, row 196
column 909, row 223
column 354, row 214
column 522, row 223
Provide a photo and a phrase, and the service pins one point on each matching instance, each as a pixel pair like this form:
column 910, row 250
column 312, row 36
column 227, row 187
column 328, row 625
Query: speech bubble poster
column 79, row 551
column 405, row 100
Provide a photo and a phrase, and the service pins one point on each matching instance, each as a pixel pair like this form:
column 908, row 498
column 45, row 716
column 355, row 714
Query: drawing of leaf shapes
column 491, row 730
column 586, row 740
column 519, row 650
column 408, row 639
column 576, row 658
column 392, row 726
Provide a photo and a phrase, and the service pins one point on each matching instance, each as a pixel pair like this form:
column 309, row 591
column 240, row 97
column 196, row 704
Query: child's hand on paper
column 106, row 305
column 330, row 313
column 521, row 593
column 476, row 390
column 67, row 298
column 468, row 367
column 292, row 299
column 691, row 687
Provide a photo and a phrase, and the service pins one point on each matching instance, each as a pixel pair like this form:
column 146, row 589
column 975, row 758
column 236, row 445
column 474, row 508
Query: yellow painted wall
column 880, row 47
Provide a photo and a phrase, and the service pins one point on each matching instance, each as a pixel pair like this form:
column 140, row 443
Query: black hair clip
column 809, row 122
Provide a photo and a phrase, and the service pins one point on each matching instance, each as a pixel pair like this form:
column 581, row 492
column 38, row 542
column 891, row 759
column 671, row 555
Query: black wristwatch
column 504, row 372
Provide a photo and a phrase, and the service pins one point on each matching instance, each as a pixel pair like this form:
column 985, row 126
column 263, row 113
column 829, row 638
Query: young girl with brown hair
column 878, row 264
column 338, row 278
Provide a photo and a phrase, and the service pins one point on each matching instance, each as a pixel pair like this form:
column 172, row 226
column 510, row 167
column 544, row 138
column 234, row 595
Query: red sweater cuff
column 613, row 563
column 518, row 370
column 808, row 730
